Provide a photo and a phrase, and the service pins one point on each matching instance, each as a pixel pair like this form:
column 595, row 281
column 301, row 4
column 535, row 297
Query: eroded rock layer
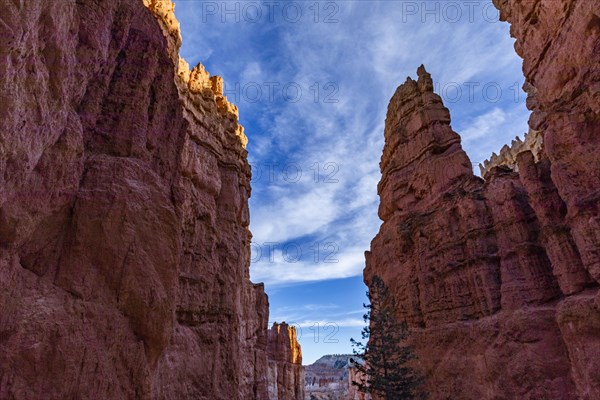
column 286, row 373
column 498, row 279
column 124, row 242
column 533, row 142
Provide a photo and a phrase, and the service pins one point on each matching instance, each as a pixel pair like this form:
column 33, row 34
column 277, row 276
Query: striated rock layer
column 285, row 373
column 498, row 279
column 124, row 185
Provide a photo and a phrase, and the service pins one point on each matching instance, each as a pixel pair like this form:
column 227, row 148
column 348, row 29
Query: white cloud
column 366, row 54
column 483, row 125
column 252, row 73
column 331, row 264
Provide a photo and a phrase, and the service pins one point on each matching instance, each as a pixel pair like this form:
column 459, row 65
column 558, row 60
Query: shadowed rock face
column 498, row 279
column 124, row 242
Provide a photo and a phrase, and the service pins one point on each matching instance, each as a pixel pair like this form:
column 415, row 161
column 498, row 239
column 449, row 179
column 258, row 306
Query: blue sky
column 312, row 81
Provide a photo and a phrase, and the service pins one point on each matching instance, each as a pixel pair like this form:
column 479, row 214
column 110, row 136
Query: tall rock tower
column 498, row 277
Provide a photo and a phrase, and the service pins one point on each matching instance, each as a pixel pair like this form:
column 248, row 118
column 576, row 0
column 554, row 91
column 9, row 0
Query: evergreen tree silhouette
column 382, row 359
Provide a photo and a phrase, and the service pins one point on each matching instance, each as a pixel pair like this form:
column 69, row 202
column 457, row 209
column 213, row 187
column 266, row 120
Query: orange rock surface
column 286, row 373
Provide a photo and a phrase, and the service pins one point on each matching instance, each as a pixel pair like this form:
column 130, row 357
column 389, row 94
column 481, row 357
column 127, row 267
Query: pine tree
column 382, row 359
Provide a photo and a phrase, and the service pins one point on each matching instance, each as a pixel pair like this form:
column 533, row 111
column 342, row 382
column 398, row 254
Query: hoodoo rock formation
column 498, row 278
column 533, row 142
column 285, row 374
column 124, row 185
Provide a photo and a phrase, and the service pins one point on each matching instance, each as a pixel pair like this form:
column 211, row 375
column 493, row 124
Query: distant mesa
column 330, row 377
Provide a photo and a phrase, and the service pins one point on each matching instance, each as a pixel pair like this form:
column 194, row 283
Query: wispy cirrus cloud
column 313, row 95
column 346, row 72
column 331, row 263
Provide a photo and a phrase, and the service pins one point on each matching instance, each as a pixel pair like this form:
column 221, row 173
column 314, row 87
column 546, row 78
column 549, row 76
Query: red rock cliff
column 498, row 279
column 124, row 242
column 286, row 374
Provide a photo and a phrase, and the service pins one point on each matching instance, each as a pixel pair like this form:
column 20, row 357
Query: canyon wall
column 285, row 372
column 498, row 278
column 354, row 375
column 124, row 185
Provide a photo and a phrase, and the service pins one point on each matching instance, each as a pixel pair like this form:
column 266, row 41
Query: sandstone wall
column 285, row 372
column 498, row 279
column 124, row 242
column 353, row 393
